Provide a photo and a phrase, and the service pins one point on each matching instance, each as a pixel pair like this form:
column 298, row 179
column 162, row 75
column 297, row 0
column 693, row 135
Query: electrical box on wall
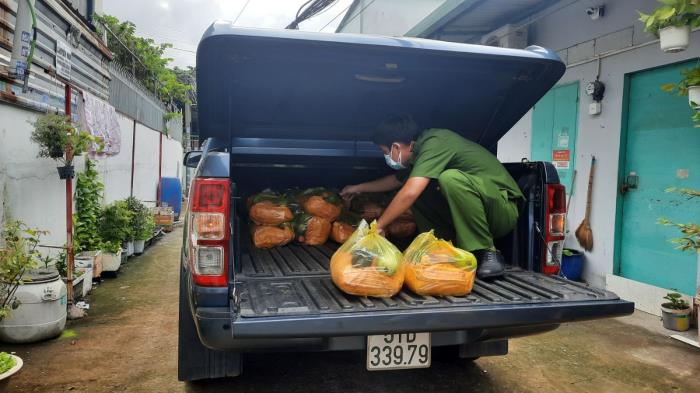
column 595, row 108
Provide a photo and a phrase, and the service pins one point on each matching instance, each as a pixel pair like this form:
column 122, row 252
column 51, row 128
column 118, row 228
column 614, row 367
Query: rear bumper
column 328, row 332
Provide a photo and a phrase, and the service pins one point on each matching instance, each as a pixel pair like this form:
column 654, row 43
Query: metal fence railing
column 130, row 97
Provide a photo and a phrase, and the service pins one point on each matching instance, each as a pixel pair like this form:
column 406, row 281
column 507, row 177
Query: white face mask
column 390, row 161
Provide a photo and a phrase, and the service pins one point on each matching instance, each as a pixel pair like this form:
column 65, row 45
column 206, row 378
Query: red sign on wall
column 561, row 155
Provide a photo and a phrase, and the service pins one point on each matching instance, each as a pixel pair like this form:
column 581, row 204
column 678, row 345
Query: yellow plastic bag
column 437, row 268
column 368, row 264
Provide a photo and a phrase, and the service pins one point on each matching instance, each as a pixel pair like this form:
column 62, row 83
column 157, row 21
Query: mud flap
column 195, row 361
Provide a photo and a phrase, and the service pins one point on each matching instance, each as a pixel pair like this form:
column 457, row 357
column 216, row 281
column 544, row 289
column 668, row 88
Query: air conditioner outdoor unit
column 507, row 36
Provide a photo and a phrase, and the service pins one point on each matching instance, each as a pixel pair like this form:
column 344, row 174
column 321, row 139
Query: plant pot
column 694, row 97
column 5, row 377
column 139, row 246
column 129, row 248
column 91, row 259
column 66, row 172
column 678, row 320
column 674, row 39
column 572, row 266
column 111, row 261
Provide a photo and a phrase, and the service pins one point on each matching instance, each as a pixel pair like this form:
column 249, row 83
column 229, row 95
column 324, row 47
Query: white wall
column 599, row 135
column 31, row 191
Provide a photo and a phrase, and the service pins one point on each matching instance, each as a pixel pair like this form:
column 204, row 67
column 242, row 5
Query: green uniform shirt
column 437, row 150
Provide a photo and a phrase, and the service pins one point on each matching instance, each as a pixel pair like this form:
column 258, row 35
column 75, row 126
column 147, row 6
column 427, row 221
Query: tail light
column 209, row 235
column 555, row 227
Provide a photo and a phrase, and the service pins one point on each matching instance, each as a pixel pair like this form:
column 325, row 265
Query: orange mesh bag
column 269, row 208
column 437, row 268
column 311, row 230
column 321, row 202
column 369, row 206
column 368, row 264
column 265, row 236
column 344, row 227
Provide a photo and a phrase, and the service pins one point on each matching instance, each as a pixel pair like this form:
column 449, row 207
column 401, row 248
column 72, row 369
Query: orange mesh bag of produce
column 368, row 264
column 266, row 236
column 321, row 202
column 312, row 230
column 369, row 206
column 437, row 268
column 269, row 208
column 404, row 226
column 344, row 227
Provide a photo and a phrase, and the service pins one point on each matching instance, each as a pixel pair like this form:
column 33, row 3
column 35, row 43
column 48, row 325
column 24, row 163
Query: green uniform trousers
column 466, row 209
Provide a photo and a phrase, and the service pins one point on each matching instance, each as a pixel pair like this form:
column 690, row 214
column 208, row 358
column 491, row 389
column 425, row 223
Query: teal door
column 663, row 149
column 554, row 130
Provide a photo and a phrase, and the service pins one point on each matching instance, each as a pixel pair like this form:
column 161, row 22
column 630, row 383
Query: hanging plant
column 688, row 86
column 88, row 196
column 59, row 140
column 672, row 23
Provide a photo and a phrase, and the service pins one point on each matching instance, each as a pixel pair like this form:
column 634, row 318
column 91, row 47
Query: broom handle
column 590, row 189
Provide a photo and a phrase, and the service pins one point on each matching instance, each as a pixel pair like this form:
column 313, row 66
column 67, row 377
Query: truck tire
column 194, row 360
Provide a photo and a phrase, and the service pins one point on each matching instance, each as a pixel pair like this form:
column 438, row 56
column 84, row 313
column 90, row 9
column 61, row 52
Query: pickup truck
column 280, row 108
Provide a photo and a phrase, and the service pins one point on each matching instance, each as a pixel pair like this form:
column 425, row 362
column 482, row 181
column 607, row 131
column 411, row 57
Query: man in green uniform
column 451, row 184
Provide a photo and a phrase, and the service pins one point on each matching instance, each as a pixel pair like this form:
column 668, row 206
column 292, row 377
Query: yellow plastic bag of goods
column 437, row 268
column 368, row 264
column 267, row 236
column 269, row 208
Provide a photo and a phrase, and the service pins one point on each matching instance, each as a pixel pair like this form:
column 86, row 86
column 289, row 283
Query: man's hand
column 349, row 192
column 403, row 200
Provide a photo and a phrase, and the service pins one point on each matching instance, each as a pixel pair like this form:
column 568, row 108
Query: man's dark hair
column 396, row 128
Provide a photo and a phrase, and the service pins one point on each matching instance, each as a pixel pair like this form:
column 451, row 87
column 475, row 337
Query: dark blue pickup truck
column 294, row 109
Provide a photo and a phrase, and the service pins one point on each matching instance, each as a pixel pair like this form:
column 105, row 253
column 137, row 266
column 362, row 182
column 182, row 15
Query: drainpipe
column 133, row 155
column 69, row 213
column 24, row 42
column 160, row 168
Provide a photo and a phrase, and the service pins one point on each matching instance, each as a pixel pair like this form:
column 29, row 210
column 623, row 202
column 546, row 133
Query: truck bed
column 294, row 280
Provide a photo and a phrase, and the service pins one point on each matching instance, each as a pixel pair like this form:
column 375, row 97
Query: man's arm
column 403, row 200
column 384, row 184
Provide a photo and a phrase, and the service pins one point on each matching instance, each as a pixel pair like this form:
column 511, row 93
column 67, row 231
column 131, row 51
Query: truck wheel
column 194, row 360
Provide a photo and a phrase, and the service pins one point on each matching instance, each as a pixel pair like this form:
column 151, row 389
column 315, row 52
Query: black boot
column 490, row 263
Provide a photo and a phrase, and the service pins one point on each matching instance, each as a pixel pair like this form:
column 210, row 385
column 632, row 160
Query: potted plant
column 675, row 313
column 114, row 229
column 572, row 264
column 688, row 86
column 672, row 23
column 87, row 242
column 18, row 255
column 145, row 234
column 139, row 214
column 9, row 366
column 59, row 140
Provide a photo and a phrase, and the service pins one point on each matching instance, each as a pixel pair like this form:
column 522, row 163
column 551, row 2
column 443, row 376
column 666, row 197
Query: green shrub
column 139, row 216
column 6, row 362
column 673, row 13
column 115, row 226
column 88, row 196
column 55, row 135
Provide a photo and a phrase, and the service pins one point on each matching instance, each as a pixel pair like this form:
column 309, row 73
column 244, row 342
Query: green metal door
column 662, row 149
column 554, row 128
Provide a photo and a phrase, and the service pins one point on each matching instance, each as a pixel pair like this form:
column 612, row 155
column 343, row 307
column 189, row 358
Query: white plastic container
column 129, row 248
column 42, row 309
column 139, row 245
column 91, row 259
column 694, row 96
column 111, row 261
column 674, row 39
column 86, row 277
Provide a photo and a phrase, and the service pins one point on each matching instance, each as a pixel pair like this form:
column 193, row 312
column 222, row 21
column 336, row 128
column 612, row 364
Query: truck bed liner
column 294, row 280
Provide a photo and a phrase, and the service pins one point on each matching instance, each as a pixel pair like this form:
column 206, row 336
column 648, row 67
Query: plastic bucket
column 678, row 320
column 572, row 266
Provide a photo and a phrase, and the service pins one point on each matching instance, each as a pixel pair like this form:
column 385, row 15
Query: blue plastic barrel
column 572, row 266
column 171, row 193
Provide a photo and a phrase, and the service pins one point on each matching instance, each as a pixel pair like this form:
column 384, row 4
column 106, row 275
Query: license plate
column 398, row 351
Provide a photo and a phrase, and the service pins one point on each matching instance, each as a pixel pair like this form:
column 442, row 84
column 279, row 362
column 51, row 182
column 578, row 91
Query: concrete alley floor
column 128, row 343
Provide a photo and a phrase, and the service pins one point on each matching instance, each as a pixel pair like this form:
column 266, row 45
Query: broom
column 584, row 233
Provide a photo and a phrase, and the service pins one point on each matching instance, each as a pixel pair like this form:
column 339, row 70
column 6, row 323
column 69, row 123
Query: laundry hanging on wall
column 100, row 119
